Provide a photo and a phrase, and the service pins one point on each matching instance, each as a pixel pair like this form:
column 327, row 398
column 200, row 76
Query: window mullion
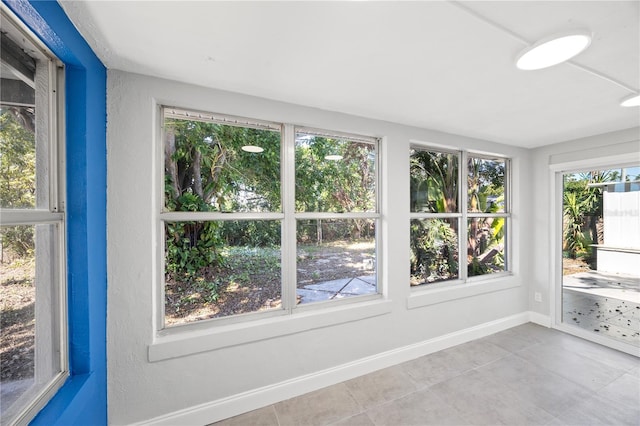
column 210, row 216
column 462, row 221
column 29, row 217
column 434, row 215
column 289, row 277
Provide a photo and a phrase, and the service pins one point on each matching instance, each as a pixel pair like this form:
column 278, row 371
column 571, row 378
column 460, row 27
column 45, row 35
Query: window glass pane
column 485, row 248
column 218, row 167
column 221, row 268
column 434, row 182
column 486, row 185
column 336, row 258
column 27, row 315
column 434, row 250
column 334, row 175
column 17, row 158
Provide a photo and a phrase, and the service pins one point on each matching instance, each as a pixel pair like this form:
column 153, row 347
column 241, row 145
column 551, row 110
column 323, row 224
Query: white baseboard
column 540, row 319
column 257, row 398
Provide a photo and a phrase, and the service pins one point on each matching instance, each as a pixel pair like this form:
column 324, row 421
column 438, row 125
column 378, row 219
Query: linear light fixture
column 631, row 101
column 626, row 102
column 553, row 50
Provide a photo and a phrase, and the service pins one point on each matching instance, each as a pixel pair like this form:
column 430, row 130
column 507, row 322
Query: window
column 442, row 227
column 32, row 226
column 263, row 217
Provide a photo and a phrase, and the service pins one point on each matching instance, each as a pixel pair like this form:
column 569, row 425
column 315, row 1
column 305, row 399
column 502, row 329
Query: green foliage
column 207, row 170
column 434, row 182
column 190, row 247
column 17, row 164
column 484, row 178
column 252, row 233
column 434, row 250
column 18, row 239
column 486, row 245
column 475, row 267
column 346, row 185
column 573, row 214
column 207, row 160
column 17, row 180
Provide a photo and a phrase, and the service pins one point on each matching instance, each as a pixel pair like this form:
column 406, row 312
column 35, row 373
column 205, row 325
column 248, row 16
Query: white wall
column 140, row 390
column 598, row 151
column 621, row 215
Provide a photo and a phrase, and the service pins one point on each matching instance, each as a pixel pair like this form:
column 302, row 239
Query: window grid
column 288, row 217
column 463, row 215
column 48, row 219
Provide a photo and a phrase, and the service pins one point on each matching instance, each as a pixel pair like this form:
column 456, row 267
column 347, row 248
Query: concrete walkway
column 338, row 289
column 618, row 286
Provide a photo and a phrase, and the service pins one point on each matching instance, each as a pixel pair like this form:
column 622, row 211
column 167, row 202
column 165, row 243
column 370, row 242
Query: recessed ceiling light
column 333, row 157
column 553, row 50
column 631, row 101
column 252, row 148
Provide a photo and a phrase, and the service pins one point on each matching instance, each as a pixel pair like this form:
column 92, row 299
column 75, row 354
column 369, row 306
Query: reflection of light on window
column 252, row 148
column 304, row 139
column 333, row 157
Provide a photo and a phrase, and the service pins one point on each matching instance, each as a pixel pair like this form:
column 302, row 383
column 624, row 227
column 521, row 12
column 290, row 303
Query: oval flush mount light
column 631, row 101
column 553, row 50
column 333, row 157
column 252, row 148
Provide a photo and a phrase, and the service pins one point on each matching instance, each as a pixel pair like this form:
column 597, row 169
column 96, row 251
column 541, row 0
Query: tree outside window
column 32, row 224
column 437, row 235
column 240, row 238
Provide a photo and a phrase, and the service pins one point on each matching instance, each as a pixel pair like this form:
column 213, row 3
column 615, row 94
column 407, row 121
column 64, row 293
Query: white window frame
column 293, row 219
column 288, row 217
column 463, row 216
column 51, row 290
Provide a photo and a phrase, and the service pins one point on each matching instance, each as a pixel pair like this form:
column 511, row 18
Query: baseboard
column 241, row 403
column 540, row 319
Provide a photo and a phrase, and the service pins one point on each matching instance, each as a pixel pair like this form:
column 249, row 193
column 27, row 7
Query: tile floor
column 527, row 375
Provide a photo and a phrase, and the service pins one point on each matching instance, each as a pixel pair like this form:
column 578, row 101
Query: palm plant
column 574, row 240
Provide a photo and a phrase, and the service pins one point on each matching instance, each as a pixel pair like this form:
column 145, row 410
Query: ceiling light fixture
column 252, row 148
column 333, row 157
column 580, row 40
column 553, row 50
column 631, row 101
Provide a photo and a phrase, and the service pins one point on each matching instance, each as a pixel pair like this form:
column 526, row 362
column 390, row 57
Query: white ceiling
column 438, row 65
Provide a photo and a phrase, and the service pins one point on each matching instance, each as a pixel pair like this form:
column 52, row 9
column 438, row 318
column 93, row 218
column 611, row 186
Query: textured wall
column 297, row 345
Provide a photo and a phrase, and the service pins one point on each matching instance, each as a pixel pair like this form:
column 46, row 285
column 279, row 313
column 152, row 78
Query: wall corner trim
column 540, row 319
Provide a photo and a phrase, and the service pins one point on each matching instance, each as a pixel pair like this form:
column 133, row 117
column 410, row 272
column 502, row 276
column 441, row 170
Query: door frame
column 556, row 172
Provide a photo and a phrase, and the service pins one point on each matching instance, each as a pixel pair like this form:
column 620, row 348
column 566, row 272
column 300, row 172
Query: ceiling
column 440, row 65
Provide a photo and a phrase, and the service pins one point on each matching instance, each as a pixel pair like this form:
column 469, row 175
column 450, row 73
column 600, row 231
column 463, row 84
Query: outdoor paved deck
column 338, row 289
column 607, row 304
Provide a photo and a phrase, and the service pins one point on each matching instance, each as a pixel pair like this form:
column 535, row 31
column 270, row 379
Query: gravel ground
column 17, row 321
column 242, row 292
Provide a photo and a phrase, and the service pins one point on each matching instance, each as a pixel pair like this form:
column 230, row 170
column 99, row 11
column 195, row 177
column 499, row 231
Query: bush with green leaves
column 17, row 177
column 434, row 250
column 575, row 242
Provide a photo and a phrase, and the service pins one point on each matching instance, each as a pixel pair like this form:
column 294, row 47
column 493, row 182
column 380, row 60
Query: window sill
column 193, row 342
column 432, row 296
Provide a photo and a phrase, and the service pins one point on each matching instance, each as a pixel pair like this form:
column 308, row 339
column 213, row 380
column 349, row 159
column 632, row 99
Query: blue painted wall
column 83, row 398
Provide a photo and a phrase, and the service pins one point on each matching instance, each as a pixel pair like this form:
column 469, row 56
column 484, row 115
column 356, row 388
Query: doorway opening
column 601, row 253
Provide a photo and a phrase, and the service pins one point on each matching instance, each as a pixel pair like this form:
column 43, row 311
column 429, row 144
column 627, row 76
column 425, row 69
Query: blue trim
column 83, row 397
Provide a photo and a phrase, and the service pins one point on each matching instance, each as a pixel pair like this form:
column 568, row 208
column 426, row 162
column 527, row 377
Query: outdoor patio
column 608, row 304
column 337, row 289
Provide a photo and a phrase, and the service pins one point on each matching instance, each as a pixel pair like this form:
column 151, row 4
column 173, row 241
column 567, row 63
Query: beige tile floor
column 527, row 375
